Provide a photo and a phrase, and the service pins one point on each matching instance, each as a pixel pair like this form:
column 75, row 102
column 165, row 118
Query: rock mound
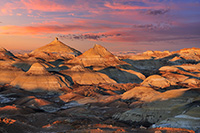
column 6, row 55
column 189, row 54
column 84, row 76
column 37, row 69
column 8, row 72
column 156, row 81
column 96, row 56
column 56, row 49
column 39, row 79
column 140, row 93
column 78, row 68
column 122, row 75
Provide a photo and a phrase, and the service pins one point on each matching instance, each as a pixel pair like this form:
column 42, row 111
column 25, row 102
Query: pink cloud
column 43, row 5
column 29, row 5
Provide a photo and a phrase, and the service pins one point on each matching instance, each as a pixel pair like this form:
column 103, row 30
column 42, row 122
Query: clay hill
column 55, row 49
column 57, row 89
column 37, row 78
column 6, row 55
column 98, row 56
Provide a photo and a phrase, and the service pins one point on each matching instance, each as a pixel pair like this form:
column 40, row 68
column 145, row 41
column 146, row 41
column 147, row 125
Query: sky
column 118, row 25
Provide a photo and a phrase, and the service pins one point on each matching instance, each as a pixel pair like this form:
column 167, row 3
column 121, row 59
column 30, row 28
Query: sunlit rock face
column 37, row 78
column 156, row 81
column 190, row 54
column 188, row 74
column 55, row 50
column 141, row 93
column 8, row 72
column 98, row 56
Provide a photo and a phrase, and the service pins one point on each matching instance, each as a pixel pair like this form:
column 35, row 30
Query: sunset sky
column 119, row 25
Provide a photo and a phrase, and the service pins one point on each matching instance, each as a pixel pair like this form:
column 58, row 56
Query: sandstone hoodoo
column 56, row 49
column 97, row 56
column 39, row 79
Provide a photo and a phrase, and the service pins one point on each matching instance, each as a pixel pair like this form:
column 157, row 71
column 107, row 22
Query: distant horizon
column 122, row 25
column 15, row 51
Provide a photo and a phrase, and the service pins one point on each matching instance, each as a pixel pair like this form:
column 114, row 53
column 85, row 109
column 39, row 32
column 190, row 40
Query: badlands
column 56, row 88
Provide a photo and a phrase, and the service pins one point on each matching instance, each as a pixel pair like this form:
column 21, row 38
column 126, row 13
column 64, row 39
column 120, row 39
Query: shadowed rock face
column 6, row 55
column 122, row 75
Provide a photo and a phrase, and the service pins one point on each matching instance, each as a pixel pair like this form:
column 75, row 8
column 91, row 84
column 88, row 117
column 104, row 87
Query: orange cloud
column 46, row 29
column 123, row 7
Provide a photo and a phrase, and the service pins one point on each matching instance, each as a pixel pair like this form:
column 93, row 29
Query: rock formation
column 121, row 75
column 8, row 72
column 6, row 55
column 84, row 76
column 190, row 54
column 37, row 78
column 55, row 49
column 174, row 108
column 51, row 90
column 98, row 56
column 156, row 81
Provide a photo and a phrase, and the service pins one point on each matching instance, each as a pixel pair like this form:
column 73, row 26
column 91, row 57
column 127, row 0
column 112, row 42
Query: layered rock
column 8, row 72
column 167, row 109
column 146, row 66
column 156, row 81
column 181, row 121
column 98, row 56
column 121, row 75
column 6, row 55
column 55, row 50
column 190, row 54
column 186, row 73
column 156, row 54
column 140, row 93
column 84, row 76
column 37, row 78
